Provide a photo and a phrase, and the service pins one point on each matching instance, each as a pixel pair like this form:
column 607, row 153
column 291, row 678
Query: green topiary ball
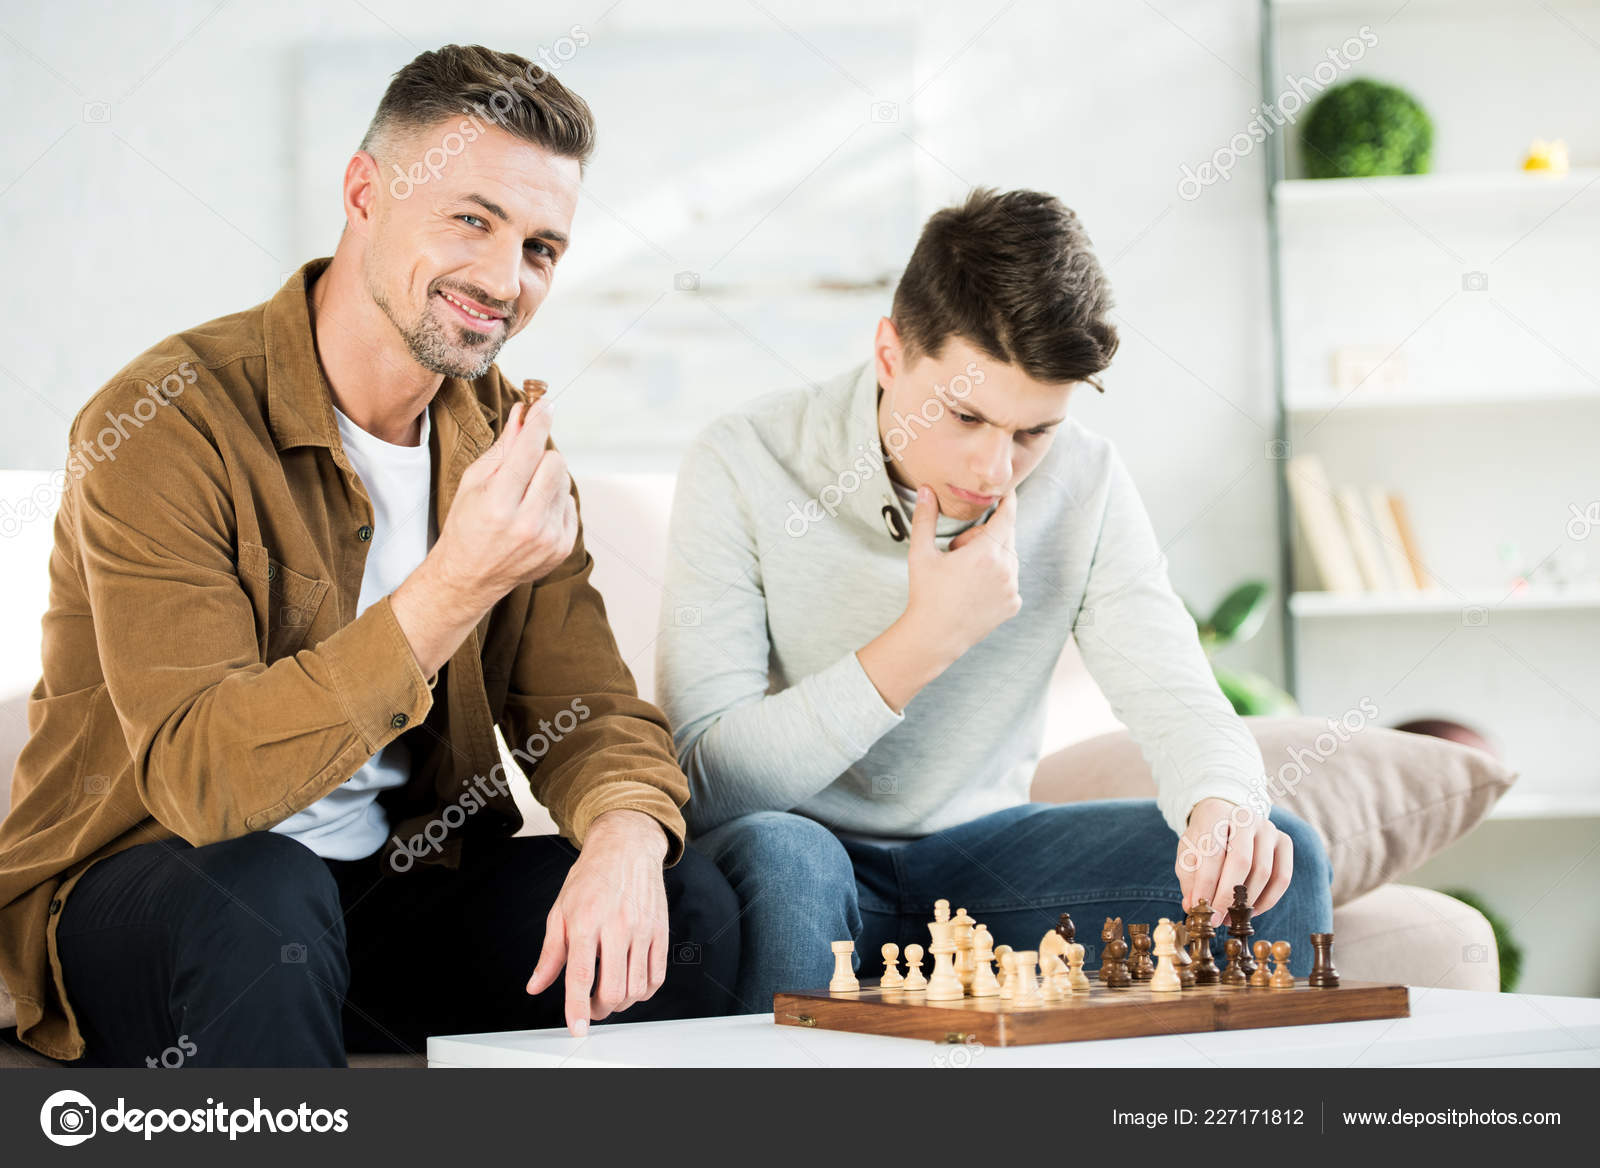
column 1365, row 128
column 1510, row 951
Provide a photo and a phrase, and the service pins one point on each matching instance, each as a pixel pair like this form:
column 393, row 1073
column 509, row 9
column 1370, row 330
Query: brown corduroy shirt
column 205, row 674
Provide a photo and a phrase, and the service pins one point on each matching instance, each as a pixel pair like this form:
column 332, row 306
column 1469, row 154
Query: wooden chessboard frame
column 1101, row 1013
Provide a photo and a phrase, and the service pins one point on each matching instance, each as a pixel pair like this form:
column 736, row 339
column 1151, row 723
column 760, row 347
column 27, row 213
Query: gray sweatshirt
column 781, row 564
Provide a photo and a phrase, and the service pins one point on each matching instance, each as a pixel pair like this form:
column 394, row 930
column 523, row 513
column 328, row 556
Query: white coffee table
column 1455, row 1028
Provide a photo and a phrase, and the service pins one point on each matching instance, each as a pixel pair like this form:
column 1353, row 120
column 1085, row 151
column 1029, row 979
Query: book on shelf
column 1359, row 539
column 1319, row 522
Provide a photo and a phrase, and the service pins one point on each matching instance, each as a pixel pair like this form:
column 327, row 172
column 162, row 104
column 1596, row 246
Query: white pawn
column 914, row 978
column 891, row 979
column 1076, row 978
column 1052, row 978
column 1002, row 960
column 984, row 983
column 844, row 978
column 1165, row 979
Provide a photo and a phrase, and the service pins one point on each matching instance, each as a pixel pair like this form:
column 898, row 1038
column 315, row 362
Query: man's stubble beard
column 431, row 345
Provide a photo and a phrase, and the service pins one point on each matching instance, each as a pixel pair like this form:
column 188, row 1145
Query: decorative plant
column 1510, row 950
column 1238, row 618
column 1365, row 128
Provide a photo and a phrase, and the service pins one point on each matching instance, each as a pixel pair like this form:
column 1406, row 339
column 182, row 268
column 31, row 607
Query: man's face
column 460, row 262
column 966, row 425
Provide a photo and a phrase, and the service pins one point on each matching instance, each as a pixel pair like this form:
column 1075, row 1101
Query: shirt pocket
column 286, row 602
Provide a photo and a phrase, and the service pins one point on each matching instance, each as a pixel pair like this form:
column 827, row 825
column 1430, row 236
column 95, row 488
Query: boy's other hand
column 1215, row 853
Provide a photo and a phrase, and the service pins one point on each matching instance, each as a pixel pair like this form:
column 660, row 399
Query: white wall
column 227, row 124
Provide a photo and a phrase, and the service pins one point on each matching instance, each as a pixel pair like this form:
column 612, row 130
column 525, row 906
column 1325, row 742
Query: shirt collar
column 299, row 399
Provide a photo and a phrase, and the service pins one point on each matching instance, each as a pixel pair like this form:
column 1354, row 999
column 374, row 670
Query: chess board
column 1101, row 1013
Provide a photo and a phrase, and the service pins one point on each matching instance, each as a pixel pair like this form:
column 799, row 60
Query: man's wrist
column 628, row 826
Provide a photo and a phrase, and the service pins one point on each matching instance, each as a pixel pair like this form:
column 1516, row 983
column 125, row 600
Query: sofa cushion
column 1383, row 800
column 1416, row 937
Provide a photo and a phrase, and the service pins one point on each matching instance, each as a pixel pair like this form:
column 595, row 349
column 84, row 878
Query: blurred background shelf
column 1440, row 601
column 1326, row 401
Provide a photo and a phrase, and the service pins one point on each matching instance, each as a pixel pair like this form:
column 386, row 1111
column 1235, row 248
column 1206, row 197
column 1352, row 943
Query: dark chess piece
column 1140, row 966
column 1200, row 934
column 1066, row 930
column 1234, row 976
column 1114, row 966
column 1323, row 974
column 1112, row 930
column 1239, row 926
column 1183, row 961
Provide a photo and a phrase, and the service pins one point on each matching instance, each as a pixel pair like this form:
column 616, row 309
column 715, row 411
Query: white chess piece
column 915, row 981
column 1076, row 978
column 1053, row 970
column 1052, row 978
column 1165, row 979
column 844, row 978
column 891, row 979
column 984, row 983
column 965, row 959
column 943, row 985
column 1027, row 989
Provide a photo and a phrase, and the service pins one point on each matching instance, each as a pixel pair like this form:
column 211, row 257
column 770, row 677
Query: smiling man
column 261, row 816
column 879, row 576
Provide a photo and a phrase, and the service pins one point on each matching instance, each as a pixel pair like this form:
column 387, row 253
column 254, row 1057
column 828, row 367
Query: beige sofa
column 1391, row 932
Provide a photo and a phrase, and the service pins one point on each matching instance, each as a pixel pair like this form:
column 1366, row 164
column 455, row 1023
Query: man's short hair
column 459, row 81
column 1014, row 275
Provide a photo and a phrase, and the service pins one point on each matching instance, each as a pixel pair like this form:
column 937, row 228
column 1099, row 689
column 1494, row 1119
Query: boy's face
column 966, row 425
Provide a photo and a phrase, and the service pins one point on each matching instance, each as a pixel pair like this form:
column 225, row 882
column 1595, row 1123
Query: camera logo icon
column 686, row 953
column 686, row 282
column 885, row 784
column 95, row 112
column 686, row 616
column 294, row 953
column 1476, row 954
column 1474, row 616
column 885, row 111
column 1475, row 282
column 1277, row 449
column 67, row 1118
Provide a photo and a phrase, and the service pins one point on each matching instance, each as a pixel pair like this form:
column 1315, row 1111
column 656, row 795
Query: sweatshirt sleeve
column 744, row 749
column 1141, row 647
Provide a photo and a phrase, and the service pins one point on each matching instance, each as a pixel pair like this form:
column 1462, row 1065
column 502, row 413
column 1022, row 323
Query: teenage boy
column 868, row 587
column 261, row 815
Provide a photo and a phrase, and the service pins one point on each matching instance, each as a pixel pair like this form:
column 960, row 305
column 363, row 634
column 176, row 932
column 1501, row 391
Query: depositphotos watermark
column 501, row 102
column 895, row 439
column 1291, row 100
column 476, row 796
column 69, row 1118
column 87, row 454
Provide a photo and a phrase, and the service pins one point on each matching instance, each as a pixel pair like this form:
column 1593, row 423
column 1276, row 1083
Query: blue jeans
column 801, row 887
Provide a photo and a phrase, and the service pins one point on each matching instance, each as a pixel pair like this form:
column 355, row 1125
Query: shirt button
column 55, row 906
column 272, row 571
column 364, row 532
column 398, row 721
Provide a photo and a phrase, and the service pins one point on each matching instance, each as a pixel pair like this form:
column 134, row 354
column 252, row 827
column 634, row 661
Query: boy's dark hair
column 1014, row 275
column 459, row 81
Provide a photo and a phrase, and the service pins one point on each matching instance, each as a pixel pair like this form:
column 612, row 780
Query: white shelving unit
column 1481, row 279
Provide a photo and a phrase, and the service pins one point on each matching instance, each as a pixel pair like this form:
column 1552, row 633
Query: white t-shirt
column 348, row 822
